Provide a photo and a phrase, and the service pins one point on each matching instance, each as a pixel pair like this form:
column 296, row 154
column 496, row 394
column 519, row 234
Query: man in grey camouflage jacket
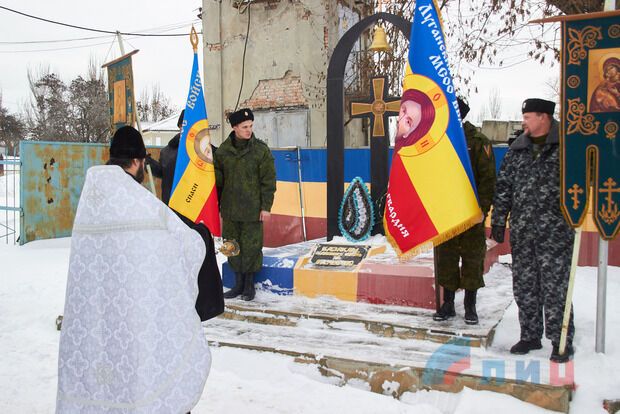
column 528, row 188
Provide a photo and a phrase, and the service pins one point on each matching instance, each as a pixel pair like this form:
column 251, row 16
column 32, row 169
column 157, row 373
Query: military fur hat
column 538, row 105
column 127, row 143
column 240, row 116
column 463, row 107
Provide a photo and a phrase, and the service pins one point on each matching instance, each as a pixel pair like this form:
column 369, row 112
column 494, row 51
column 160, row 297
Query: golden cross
column 575, row 190
column 609, row 214
column 378, row 107
column 609, row 189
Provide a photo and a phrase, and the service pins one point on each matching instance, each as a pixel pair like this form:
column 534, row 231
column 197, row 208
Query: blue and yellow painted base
column 288, row 271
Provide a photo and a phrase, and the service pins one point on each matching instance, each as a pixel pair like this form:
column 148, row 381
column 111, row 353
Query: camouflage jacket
column 528, row 188
column 482, row 163
column 246, row 179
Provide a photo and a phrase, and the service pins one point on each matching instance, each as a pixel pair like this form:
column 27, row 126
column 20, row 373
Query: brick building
column 279, row 51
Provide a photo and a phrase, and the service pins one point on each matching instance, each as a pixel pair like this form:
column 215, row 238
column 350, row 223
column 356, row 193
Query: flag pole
column 603, row 253
column 135, row 111
column 569, row 292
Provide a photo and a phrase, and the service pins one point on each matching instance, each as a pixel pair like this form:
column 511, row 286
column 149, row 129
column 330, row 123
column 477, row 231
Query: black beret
column 127, row 143
column 538, row 105
column 463, row 107
column 240, row 116
column 180, row 121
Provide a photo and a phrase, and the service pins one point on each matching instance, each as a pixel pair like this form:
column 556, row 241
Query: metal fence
column 52, row 176
column 10, row 208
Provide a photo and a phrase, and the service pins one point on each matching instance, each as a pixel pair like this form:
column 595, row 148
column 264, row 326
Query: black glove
column 149, row 160
column 497, row 233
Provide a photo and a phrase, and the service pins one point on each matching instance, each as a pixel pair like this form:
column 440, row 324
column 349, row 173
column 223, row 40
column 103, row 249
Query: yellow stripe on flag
column 192, row 191
column 440, row 181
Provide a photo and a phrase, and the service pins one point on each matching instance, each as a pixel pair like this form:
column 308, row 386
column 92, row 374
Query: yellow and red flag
column 431, row 193
column 193, row 192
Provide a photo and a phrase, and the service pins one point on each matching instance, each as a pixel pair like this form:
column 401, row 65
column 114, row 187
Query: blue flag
column 193, row 191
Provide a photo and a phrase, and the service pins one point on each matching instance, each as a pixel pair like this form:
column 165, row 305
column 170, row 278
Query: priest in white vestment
column 131, row 340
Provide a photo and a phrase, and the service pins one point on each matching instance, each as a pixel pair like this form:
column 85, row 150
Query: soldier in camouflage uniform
column 245, row 175
column 528, row 188
column 469, row 247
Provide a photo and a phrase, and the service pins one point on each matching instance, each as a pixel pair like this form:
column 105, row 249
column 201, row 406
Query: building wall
column 500, row 131
column 287, row 40
column 158, row 138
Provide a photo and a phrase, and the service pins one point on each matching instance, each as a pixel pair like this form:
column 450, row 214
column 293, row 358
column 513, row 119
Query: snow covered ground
column 9, row 197
column 32, row 288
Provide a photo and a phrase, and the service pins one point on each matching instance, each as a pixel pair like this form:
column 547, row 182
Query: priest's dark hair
column 124, row 163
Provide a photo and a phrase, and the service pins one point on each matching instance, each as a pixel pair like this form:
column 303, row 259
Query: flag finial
column 193, row 38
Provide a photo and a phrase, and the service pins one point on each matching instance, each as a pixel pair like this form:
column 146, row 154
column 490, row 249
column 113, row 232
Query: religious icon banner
column 590, row 154
column 121, row 91
column 193, row 192
column 431, row 192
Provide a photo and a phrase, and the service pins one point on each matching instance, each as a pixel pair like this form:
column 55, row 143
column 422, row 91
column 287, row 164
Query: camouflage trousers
column 249, row 235
column 468, row 248
column 540, row 274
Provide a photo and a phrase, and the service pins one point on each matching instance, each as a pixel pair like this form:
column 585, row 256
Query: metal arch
column 335, row 111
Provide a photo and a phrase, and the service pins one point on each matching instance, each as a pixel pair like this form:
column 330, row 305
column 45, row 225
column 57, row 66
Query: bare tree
column 61, row 112
column 12, row 129
column 89, row 106
column 154, row 106
column 48, row 111
column 495, row 104
column 478, row 32
column 482, row 113
column 553, row 88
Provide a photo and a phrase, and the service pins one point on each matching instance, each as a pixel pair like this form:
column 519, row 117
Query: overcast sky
column 167, row 60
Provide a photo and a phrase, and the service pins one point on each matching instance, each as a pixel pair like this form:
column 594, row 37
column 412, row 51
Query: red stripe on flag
column 209, row 215
column 405, row 206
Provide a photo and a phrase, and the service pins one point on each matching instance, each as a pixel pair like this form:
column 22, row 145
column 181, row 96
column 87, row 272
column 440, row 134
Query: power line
column 56, row 48
column 245, row 46
column 53, row 41
column 91, row 29
column 168, row 27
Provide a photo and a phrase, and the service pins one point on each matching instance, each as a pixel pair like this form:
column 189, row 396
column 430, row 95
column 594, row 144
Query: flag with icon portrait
column 431, row 193
column 193, row 192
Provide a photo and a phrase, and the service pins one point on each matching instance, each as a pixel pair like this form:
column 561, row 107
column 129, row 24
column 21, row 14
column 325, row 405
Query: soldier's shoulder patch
column 487, row 149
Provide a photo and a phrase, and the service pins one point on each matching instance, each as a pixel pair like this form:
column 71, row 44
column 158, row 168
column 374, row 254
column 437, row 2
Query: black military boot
column 471, row 317
column 523, row 346
column 447, row 309
column 249, row 291
column 237, row 289
column 563, row 358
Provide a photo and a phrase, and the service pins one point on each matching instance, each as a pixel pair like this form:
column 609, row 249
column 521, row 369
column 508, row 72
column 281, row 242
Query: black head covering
column 538, row 105
column 127, row 143
column 180, row 121
column 463, row 107
column 240, row 116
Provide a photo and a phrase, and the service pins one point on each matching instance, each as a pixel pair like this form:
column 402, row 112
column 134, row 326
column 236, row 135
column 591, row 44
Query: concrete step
column 383, row 344
column 403, row 322
column 348, row 350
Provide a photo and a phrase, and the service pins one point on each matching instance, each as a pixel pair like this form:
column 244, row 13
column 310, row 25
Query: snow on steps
column 381, row 344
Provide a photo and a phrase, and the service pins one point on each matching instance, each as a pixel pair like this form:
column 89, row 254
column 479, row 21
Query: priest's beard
column 140, row 175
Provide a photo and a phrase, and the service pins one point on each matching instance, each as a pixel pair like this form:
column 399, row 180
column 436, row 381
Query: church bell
column 379, row 41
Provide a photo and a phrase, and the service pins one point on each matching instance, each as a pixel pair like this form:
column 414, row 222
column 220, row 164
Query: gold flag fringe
column 435, row 241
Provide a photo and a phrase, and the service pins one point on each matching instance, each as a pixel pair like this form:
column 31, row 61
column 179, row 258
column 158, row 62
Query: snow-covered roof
column 166, row 124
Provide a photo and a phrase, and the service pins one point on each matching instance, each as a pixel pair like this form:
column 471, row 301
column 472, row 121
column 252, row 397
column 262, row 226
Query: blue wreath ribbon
column 356, row 199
